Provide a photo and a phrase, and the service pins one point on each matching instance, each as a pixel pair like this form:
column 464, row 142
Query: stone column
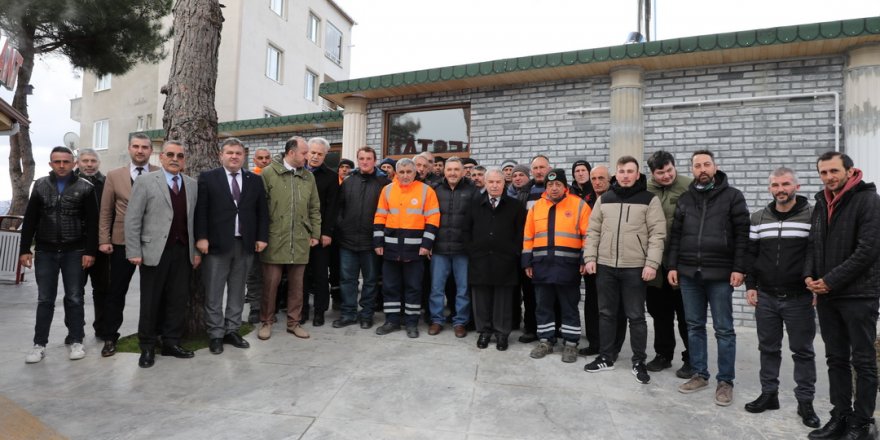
column 861, row 116
column 627, row 118
column 354, row 126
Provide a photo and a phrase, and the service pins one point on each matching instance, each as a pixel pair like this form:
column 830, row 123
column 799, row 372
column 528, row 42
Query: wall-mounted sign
column 10, row 61
column 443, row 129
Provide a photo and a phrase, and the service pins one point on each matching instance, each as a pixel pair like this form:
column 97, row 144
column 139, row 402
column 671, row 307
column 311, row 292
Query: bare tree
column 190, row 115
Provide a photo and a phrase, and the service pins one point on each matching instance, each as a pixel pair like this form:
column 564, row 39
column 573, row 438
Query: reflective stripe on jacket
column 407, row 218
column 553, row 238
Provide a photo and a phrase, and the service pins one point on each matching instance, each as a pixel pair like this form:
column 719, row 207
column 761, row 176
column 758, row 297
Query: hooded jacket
column 710, row 231
column 627, row 228
column 294, row 214
column 777, row 242
column 844, row 251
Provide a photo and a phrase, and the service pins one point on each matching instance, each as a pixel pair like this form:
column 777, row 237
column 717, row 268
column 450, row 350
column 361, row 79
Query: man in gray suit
column 159, row 239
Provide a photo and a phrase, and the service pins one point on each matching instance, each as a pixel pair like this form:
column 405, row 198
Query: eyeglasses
column 171, row 155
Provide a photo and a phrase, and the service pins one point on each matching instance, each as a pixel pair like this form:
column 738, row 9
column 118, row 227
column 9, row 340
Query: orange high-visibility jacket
column 407, row 218
column 553, row 238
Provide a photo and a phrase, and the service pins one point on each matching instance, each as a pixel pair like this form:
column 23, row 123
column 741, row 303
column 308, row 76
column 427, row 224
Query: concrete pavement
column 351, row 383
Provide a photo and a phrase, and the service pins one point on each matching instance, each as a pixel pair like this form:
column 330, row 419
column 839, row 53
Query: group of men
column 509, row 246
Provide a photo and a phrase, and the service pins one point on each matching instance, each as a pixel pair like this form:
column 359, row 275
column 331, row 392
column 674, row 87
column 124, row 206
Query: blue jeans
column 46, row 268
column 351, row 264
column 441, row 265
column 696, row 293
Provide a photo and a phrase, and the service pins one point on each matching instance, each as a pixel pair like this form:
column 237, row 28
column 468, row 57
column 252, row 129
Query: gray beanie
column 508, row 163
column 521, row 168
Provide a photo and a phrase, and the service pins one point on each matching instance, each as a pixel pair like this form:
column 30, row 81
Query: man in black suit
column 232, row 222
column 317, row 282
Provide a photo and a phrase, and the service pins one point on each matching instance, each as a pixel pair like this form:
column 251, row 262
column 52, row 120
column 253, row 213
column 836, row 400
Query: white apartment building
column 273, row 56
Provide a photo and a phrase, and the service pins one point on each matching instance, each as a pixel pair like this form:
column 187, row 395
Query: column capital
column 354, row 104
column 626, row 76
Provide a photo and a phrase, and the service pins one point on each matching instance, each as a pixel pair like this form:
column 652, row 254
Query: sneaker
column 298, row 331
column 542, row 349
column 696, row 383
column 569, row 353
column 77, row 351
column 685, row 372
column 724, row 393
column 265, row 331
column 36, row 354
column 640, row 371
column 599, row 364
column 659, row 363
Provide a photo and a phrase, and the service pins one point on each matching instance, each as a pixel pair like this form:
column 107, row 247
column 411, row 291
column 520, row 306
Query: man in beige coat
column 624, row 248
column 294, row 227
column 111, row 235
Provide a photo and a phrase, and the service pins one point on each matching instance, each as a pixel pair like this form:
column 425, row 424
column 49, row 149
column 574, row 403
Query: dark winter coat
column 710, row 232
column 356, row 206
column 777, row 243
column 845, row 252
column 327, row 182
column 455, row 216
column 494, row 253
column 61, row 222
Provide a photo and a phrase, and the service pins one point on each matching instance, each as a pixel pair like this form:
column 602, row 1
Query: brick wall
column 275, row 142
column 749, row 139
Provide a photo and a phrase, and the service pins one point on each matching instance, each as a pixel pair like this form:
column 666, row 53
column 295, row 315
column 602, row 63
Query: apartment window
column 273, row 63
column 140, row 123
column 101, row 134
column 439, row 129
column 333, row 41
column 311, row 85
column 313, row 28
column 148, row 124
column 103, row 82
column 277, row 6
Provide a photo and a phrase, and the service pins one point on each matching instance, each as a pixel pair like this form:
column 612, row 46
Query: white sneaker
column 77, row 351
column 36, row 355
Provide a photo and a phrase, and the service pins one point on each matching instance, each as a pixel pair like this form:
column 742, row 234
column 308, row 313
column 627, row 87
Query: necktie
column 175, row 187
column 236, row 191
column 494, row 202
column 140, row 170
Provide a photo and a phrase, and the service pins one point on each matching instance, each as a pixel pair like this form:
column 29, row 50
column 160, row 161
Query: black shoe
column 318, row 320
column 387, row 328
column 861, row 432
column 659, row 363
column 109, row 348
column 685, row 372
column 148, row 358
column 177, row 351
column 808, row 415
column 834, row 429
column 235, row 340
column 412, row 331
column 501, row 343
column 483, row 340
column 764, row 402
column 366, row 323
column 528, row 337
column 215, row 346
column 640, row 371
column 343, row 322
column 588, row 351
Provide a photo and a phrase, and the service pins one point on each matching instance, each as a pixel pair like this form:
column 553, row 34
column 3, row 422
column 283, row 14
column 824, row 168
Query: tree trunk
column 190, row 116
column 21, row 156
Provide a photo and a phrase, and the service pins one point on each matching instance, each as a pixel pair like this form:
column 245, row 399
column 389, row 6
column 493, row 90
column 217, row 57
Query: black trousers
column 99, row 274
column 849, row 328
column 665, row 305
column 591, row 317
column 622, row 289
column 492, row 308
column 164, row 296
column 317, row 280
column 797, row 314
column 121, row 272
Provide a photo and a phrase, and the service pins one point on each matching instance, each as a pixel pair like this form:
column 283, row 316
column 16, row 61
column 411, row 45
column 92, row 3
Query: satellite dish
column 71, row 140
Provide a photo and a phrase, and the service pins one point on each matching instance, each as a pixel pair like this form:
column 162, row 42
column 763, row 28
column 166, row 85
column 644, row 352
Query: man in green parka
column 294, row 227
column 664, row 301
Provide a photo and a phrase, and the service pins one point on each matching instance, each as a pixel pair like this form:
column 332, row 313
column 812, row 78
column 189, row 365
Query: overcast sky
column 403, row 35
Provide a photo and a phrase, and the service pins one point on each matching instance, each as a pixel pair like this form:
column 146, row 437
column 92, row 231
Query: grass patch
column 129, row 344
